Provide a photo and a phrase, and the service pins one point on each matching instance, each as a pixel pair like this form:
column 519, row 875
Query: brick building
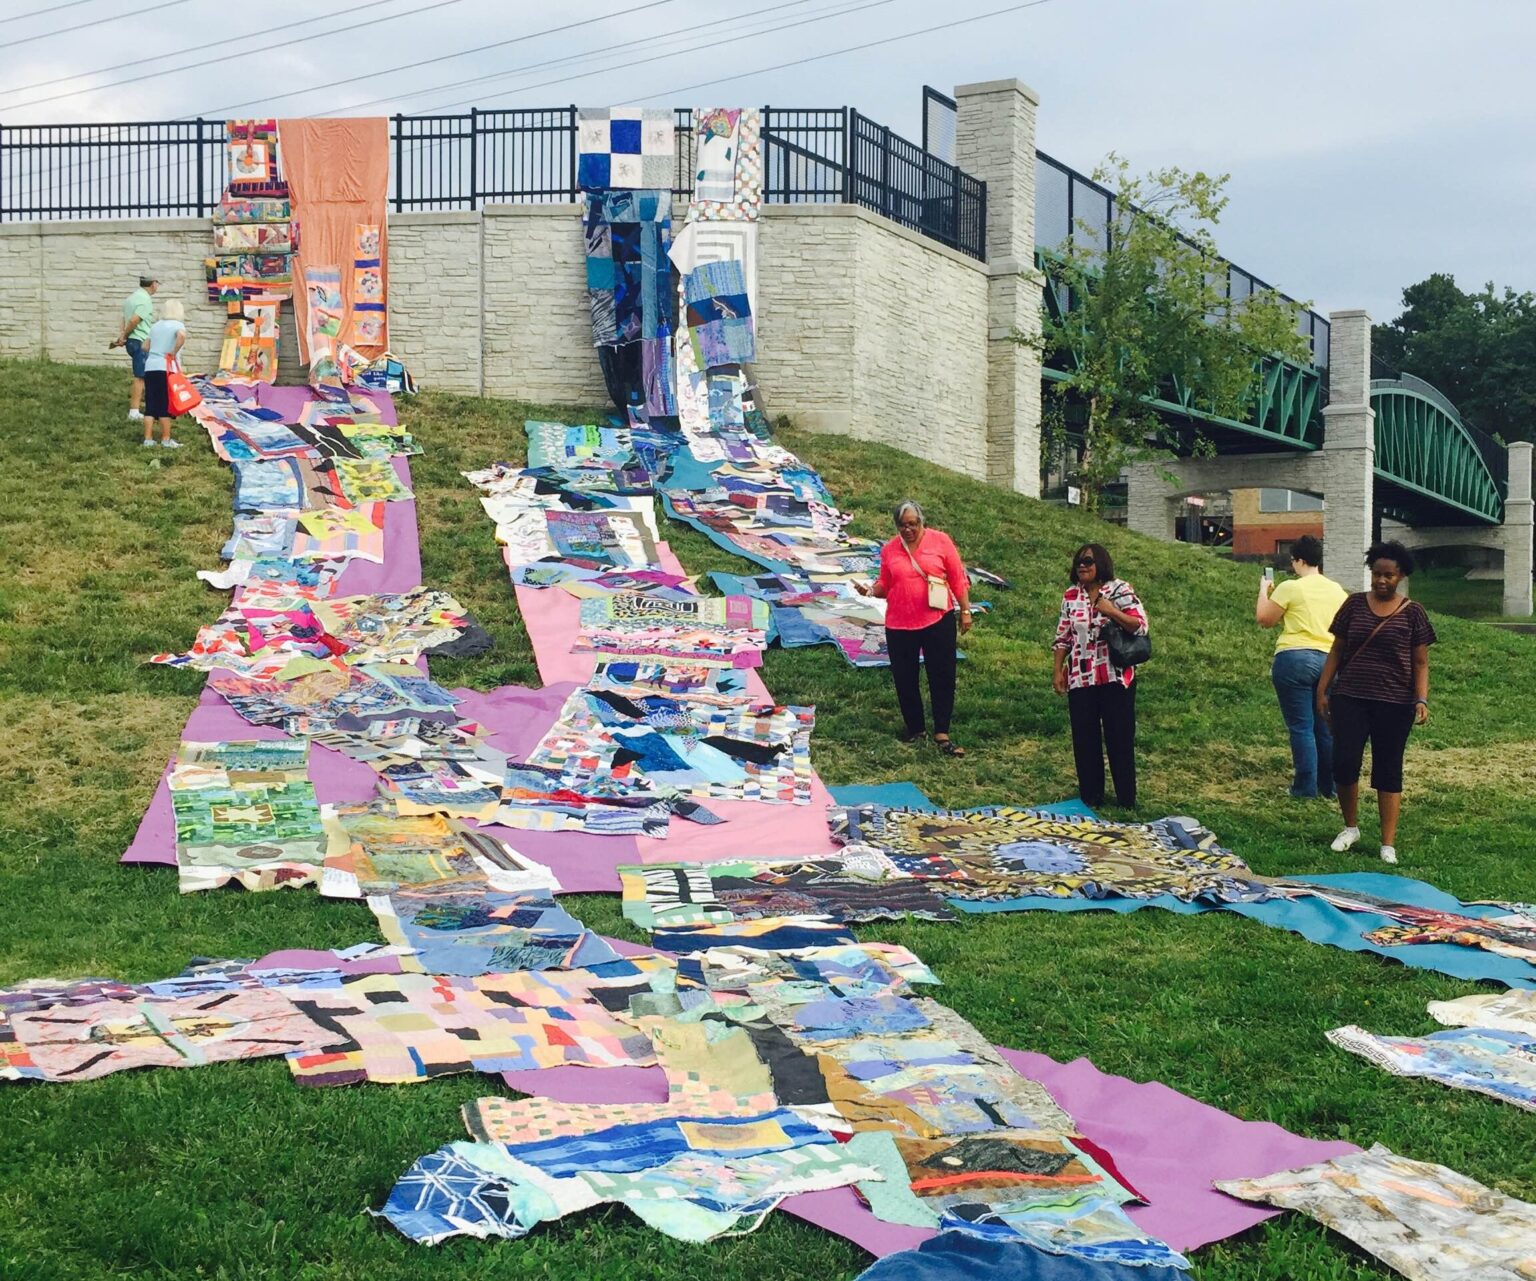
column 1265, row 522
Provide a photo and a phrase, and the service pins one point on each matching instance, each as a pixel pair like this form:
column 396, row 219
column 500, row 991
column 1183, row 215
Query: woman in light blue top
column 166, row 337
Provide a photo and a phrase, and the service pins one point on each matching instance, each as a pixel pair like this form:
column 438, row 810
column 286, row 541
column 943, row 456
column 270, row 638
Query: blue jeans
column 1295, row 673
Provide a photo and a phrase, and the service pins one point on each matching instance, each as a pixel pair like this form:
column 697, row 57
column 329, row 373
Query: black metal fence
column 464, row 161
column 1070, row 205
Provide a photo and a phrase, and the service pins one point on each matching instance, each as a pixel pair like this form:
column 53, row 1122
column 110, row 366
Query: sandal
column 949, row 747
column 913, row 738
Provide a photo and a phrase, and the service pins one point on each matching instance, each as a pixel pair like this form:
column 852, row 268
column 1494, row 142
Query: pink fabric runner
column 1168, row 1145
column 1171, row 1147
column 553, row 619
column 337, row 779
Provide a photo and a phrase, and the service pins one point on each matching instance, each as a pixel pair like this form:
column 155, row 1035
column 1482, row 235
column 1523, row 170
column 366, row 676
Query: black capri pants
column 1385, row 726
column 157, row 394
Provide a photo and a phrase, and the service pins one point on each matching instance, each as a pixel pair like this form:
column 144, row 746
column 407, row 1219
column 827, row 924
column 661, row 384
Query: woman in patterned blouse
column 1101, row 698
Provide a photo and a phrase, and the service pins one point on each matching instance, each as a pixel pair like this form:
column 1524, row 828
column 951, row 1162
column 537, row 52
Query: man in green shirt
column 138, row 316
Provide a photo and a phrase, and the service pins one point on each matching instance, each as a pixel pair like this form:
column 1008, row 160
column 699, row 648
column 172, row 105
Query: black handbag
column 1126, row 649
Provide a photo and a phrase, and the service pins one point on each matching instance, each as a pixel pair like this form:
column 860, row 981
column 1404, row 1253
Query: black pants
column 935, row 644
column 1104, row 719
column 157, row 395
column 1385, row 725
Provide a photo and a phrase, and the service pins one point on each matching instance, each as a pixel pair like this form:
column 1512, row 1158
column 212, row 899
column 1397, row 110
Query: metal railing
column 1072, row 206
column 464, row 161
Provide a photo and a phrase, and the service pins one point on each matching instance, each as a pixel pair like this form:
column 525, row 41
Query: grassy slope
column 233, row 1172
column 1448, row 589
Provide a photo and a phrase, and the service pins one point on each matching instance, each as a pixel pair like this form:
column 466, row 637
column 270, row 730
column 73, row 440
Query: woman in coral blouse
column 927, row 602
column 1101, row 698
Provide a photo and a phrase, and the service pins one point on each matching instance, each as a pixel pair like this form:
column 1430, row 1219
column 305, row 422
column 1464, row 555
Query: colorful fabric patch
column 719, row 315
column 470, row 929
column 1511, row 1011
column 1003, row 852
column 83, row 1040
column 259, row 827
column 727, row 1180
column 398, row 1029
column 625, row 147
column 369, row 307
column 1499, row 1064
column 369, row 480
column 728, row 178
column 1428, row 1222
column 376, row 850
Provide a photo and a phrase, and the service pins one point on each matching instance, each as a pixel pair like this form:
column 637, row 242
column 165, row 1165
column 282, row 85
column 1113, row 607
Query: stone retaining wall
column 865, row 329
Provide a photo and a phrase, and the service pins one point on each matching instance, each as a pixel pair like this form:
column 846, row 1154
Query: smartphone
column 1269, row 573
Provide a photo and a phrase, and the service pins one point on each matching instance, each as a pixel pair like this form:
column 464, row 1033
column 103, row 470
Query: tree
column 1478, row 348
column 1149, row 318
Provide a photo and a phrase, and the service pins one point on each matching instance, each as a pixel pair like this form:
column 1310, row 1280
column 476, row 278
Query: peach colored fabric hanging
column 338, row 171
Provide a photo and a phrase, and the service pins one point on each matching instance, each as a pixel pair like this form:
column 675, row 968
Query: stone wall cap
column 997, row 86
column 566, row 209
column 434, row 218
column 108, row 226
column 1349, row 314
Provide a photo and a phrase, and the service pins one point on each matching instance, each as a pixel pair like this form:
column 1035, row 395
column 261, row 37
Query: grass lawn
column 1447, row 588
column 233, row 1172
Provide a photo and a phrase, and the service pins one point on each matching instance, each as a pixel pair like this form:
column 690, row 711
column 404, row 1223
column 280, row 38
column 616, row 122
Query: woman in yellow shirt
column 1303, row 607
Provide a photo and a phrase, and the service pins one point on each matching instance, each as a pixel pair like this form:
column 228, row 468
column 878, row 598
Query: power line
column 414, row 146
column 95, row 22
column 631, row 46
column 229, row 57
column 872, row 44
column 49, row 8
column 661, row 57
column 426, row 62
column 176, row 53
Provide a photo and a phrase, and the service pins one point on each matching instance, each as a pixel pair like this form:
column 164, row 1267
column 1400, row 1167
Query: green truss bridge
column 1431, row 468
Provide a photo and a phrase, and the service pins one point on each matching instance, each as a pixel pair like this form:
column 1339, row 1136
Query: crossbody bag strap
column 1355, row 652
column 922, row 573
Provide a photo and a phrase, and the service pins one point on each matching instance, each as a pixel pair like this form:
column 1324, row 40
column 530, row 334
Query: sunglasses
column 1085, row 560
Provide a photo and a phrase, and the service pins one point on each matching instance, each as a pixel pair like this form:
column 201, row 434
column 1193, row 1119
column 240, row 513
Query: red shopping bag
column 180, row 394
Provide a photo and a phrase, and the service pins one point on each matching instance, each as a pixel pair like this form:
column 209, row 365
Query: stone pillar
column 1349, row 451
column 995, row 141
column 1518, row 533
column 1149, row 502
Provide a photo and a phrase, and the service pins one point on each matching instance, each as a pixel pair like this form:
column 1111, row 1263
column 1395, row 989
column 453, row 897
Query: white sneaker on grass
column 135, row 416
column 1389, row 854
column 170, row 444
column 1345, row 839
column 149, row 444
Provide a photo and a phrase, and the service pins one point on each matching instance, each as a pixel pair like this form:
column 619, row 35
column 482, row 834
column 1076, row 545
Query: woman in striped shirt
column 1375, row 688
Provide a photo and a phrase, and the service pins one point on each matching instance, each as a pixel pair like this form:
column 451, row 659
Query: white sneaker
column 149, row 444
column 135, row 416
column 170, row 444
column 1389, row 854
column 1345, row 839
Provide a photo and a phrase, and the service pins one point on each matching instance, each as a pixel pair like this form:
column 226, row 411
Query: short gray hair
column 907, row 505
column 172, row 309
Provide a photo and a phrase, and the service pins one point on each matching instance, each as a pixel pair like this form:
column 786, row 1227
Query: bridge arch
column 1433, row 468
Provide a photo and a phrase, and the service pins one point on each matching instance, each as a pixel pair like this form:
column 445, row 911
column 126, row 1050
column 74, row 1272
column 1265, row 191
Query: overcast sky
column 1370, row 142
